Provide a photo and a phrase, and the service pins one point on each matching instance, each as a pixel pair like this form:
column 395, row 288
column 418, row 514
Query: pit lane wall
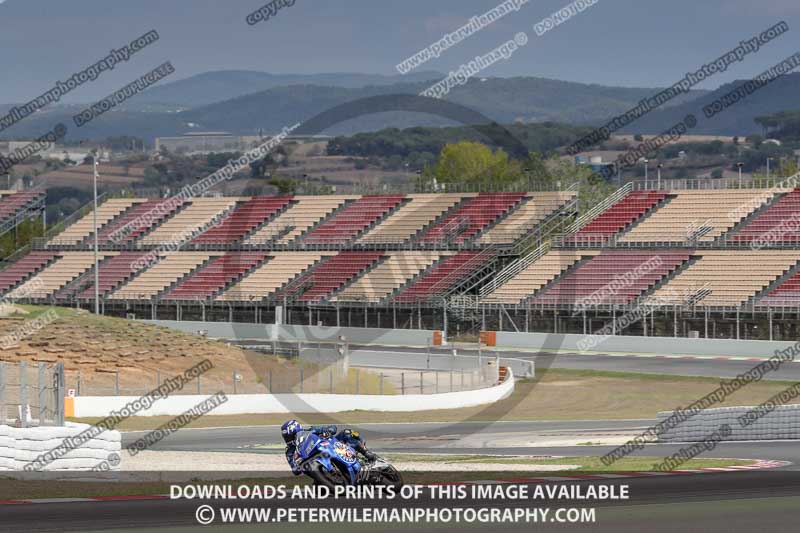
column 744, row 422
column 550, row 342
column 237, row 404
column 292, row 332
column 21, row 446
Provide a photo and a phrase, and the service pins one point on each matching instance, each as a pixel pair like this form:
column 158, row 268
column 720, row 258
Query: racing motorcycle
column 331, row 462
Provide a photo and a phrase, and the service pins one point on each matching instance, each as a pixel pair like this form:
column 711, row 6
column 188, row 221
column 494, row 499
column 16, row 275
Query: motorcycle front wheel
column 322, row 477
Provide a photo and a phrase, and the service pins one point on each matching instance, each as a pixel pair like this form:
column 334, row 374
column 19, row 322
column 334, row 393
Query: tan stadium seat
column 58, row 274
column 535, row 276
column 390, row 275
column 271, row 276
column 190, row 220
column 298, row 218
column 525, row 218
column 731, row 276
column 81, row 229
column 168, row 270
column 411, row 218
column 690, row 210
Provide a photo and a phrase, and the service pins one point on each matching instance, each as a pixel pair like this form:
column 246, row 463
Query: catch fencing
column 31, row 394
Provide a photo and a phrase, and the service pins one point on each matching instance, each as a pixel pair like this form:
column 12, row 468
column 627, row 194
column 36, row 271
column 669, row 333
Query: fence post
column 2, row 392
column 116, row 383
column 78, row 386
column 358, row 375
column 301, row 380
column 198, row 385
column 42, row 400
column 59, row 391
column 270, row 381
column 402, row 382
column 380, row 386
column 420, row 384
column 23, row 393
column 234, row 381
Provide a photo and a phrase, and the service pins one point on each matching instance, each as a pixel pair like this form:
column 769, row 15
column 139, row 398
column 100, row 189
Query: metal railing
column 747, row 182
column 466, row 273
column 610, row 200
column 513, row 269
column 544, row 229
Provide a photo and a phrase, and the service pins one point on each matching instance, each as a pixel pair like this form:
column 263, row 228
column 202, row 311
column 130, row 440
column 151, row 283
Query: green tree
column 284, row 185
column 474, row 162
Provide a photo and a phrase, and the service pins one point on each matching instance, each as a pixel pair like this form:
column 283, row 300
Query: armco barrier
column 782, row 423
column 21, row 446
column 417, row 361
column 237, row 404
column 639, row 345
column 248, row 331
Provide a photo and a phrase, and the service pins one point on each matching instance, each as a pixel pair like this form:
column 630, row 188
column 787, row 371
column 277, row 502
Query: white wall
column 638, row 344
column 21, row 446
column 100, row 406
column 293, row 332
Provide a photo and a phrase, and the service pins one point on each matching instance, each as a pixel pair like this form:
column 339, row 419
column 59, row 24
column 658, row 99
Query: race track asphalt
column 727, row 502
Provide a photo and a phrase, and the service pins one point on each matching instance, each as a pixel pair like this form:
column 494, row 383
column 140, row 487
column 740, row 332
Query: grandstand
column 18, row 206
column 483, row 256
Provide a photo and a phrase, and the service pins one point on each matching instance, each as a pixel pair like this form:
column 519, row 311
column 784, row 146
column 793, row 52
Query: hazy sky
column 615, row 42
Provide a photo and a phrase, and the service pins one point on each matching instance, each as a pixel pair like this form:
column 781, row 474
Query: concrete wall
column 100, row 406
column 782, row 423
column 416, row 361
column 21, row 446
column 641, row 345
column 267, row 332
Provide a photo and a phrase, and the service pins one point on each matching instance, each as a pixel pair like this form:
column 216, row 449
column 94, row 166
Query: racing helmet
column 290, row 429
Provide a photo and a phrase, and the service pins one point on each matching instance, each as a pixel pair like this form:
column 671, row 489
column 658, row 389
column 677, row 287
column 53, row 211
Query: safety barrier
column 21, row 446
column 744, row 423
column 98, row 406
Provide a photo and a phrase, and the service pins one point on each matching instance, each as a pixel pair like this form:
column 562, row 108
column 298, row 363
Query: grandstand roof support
column 737, row 324
column 444, row 318
column 614, row 320
column 675, row 321
column 769, row 315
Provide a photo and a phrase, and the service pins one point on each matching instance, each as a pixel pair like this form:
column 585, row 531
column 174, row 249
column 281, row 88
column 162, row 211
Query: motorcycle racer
column 291, row 428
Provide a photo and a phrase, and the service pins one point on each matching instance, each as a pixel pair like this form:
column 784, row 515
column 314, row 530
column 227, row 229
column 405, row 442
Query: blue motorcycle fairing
column 330, row 451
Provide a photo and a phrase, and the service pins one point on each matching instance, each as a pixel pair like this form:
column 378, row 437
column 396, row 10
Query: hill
column 209, row 87
column 503, row 100
column 739, row 119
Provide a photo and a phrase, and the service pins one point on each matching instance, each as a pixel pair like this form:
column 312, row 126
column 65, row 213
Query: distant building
column 219, row 141
column 54, row 152
column 596, row 164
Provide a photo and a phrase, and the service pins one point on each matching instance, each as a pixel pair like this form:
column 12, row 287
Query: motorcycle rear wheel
column 390, row 477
